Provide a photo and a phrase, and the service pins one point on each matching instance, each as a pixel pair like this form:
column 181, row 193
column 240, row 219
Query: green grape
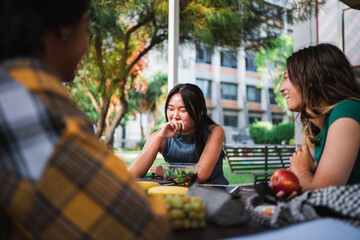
column 168, row 199
column 186, row 212
column 187, row 207
column 176, row 202
column 176, row 213
column 196, row 206
column 186, row 199
column 196, row 200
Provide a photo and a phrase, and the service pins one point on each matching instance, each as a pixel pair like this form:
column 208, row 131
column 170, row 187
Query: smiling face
column 176, row 111
column 291, row 93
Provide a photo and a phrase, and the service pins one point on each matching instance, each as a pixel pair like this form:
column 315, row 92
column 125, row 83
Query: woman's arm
column 211, row 152
column 337, row 160
column 154, row 145
column 141, row 164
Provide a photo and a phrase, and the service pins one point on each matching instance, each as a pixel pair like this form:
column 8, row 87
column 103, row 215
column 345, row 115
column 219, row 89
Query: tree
column 79, row 94
column 271, row 62
column 149, row 100
column 123, row 32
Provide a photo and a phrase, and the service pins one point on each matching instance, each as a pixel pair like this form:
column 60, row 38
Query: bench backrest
column 260, row 161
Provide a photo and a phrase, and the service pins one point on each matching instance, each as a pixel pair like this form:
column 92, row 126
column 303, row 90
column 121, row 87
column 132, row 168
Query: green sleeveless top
column 348, row 108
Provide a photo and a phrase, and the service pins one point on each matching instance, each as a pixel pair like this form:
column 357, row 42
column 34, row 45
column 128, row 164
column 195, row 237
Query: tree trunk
column 142, row 127
column 101, row 120
column 156, row 115
column 109, row 134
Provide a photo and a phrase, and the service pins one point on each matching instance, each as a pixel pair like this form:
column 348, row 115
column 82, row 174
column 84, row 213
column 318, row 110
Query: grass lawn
column 232, row 178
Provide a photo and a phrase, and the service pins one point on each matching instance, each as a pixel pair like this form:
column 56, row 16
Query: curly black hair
column 24, row 22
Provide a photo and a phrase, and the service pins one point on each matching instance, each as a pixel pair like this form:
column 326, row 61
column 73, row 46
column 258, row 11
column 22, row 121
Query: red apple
column 284, row 180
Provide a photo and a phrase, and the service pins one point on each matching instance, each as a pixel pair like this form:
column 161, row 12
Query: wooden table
column 212, row 231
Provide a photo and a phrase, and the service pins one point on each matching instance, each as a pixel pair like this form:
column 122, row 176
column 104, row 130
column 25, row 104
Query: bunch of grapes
column 185, row 212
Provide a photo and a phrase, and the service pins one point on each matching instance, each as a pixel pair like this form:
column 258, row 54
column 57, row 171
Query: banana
column 148, row 184
column 167, row 190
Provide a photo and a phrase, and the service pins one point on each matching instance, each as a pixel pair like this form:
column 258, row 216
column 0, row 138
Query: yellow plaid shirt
column 56, row 180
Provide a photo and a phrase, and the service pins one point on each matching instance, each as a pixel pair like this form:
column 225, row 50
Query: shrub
column 260, row 132
column 140, row 144
column 267, row 133
column 285, row 131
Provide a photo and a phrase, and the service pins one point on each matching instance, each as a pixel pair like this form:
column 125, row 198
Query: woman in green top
column 319, row 83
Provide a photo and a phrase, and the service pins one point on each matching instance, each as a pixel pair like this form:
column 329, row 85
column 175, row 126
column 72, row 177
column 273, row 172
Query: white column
column 265, row 99
column 241, row 75
column 285, row 24
column 173, row 47
column 217, row 115
column 340, row 29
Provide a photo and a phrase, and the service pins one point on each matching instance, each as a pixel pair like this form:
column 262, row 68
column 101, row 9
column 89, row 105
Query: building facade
column 229, row 79
column 236, row 95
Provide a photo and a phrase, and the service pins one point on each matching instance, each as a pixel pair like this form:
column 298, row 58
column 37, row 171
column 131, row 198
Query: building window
column 272, row 96
column 250, row 63
column 273, row 13
column 205, row 86
column 229, row 91
column 231, row 121
column 271, row 34
column 253, row 94
column 276, row 120
column 228, row 59
column 289, row 16
column 253, row 118
column 203, row 54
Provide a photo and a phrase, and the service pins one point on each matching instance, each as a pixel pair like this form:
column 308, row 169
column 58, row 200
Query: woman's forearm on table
column 141, row 164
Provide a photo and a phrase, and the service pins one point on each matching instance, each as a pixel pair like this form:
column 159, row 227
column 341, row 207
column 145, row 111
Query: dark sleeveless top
column 183, row 151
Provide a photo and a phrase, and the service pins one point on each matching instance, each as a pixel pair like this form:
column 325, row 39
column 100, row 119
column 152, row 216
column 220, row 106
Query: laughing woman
column 189, row 136
column 319, row 83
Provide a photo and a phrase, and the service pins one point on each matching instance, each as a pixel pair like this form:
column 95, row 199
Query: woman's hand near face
column 155, row 144
column 170, row 129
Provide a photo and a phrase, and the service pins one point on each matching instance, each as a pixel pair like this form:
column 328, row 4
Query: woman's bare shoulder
column 216, row 129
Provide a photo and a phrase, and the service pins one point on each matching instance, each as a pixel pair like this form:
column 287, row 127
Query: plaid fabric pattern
column 341, row 202
column 56, row 180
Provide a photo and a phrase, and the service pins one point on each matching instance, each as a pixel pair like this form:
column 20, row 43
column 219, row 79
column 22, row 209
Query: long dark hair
column 195, row 105
column 321, row 73
column 23, row 23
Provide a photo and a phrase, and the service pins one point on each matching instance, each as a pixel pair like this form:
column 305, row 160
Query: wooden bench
column 259, row 161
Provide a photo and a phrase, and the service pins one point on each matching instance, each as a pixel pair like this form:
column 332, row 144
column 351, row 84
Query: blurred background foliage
column 267, row 133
